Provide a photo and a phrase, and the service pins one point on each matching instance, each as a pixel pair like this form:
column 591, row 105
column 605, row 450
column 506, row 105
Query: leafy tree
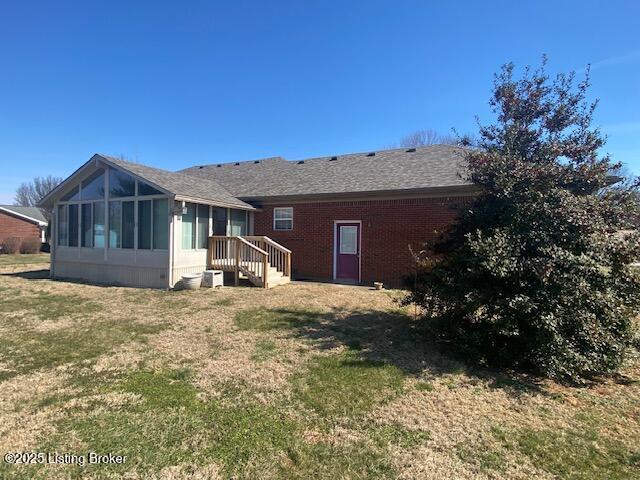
column 28, row 194
column 536, row 273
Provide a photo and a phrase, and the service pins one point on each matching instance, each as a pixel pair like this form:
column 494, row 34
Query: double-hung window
column 283, row 218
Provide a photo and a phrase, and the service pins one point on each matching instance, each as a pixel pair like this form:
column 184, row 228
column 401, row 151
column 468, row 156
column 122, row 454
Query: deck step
column 248, row 256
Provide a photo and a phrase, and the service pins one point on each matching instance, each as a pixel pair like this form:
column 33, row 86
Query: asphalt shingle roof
column 31, row 212
column 388, row 170
column 181, row 184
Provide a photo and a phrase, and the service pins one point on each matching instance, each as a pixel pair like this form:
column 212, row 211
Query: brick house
column 22, row 222
column 348, row 218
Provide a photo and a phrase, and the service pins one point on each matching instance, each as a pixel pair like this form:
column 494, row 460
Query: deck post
column 265, row 271
column 288, row 267
column 236, row 245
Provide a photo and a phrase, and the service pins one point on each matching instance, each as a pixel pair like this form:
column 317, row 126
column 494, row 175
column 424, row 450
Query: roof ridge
column 383, row 150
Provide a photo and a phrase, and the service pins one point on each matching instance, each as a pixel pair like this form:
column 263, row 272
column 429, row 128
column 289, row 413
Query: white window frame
column 274, row 219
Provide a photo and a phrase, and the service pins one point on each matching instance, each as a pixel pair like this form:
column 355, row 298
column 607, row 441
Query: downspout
column 54, row 240
column 171, row 240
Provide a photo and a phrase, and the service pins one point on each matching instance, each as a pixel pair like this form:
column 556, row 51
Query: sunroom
column 121, row 223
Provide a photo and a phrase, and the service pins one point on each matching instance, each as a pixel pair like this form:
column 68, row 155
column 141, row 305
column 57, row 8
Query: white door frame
column 335, row 247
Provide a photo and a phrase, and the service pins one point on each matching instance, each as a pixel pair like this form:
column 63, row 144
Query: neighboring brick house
column 22, row 222
column 348, row 218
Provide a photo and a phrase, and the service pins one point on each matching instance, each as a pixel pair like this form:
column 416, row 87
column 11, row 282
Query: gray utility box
column 212, row 278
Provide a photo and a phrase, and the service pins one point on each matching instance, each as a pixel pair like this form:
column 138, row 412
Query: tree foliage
column 536, row 273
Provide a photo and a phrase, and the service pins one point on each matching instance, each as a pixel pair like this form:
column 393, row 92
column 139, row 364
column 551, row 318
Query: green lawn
column 301, row 381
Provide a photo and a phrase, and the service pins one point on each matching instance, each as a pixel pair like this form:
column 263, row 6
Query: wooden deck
column 264, row 262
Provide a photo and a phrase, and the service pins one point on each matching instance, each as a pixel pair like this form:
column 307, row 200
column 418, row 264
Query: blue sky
column 173, row 84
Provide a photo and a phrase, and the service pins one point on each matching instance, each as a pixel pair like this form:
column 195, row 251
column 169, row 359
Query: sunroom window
column 203, row 226
column 146, row 189
column 153, row 229
column 86, row 226
column 121, row 184
column 73, row 194
column 98, row 225
column 63, row 224
column 73, row 225
column 160, row 224
column 144, row 225
column 87, row 219
column 189, row 227
column 93, row 187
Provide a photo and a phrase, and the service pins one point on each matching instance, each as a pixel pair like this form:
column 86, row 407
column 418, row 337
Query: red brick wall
column 388, row 228
column 11, row 226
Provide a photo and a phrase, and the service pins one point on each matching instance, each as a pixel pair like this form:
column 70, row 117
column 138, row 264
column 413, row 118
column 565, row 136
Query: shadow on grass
column 30, row 274
column 390, row 337
column 44, row 274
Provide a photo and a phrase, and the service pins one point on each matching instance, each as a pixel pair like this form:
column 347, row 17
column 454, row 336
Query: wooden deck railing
column 279, row 256
column 253, row 256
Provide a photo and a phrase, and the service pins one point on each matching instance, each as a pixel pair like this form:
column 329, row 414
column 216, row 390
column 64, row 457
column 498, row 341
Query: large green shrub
column 536, row 273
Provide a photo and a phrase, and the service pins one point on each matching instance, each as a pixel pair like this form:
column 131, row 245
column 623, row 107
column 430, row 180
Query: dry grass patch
column 304, row 380
column 20, row 260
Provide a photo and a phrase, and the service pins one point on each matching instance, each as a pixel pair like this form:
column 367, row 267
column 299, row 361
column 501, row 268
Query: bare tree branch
column 425, row 137
column 29, row 194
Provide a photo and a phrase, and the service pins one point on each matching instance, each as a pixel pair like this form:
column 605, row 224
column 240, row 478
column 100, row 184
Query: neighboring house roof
column 432, row 167
column 32, row 214
column 180, row 184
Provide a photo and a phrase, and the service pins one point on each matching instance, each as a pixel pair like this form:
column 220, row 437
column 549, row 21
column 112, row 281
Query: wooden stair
column 262, row 261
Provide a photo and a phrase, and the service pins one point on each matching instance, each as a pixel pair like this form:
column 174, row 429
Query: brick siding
column 388, row 228
column 12, row 226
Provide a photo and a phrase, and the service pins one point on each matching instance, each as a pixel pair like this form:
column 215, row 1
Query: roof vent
column 237, row 163
column 256, row 161
column 300, row 162
column 201, row 167
column 371, row 154
column 333, row 159
column 218, row 165
column 411, row 150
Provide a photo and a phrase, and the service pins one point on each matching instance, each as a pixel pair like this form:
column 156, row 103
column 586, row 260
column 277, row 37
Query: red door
column 348, row 252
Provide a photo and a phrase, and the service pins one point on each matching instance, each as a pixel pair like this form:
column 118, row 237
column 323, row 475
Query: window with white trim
column 283, row 218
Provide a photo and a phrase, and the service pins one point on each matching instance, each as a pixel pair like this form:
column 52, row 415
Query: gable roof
column 437, row 166
column 181, row 184
column 32, row 214
column 184, row 187
column 402, row 170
